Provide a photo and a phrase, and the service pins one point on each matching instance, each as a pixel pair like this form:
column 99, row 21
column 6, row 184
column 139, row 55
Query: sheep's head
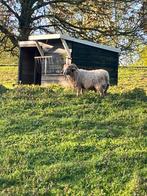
column 69, row 69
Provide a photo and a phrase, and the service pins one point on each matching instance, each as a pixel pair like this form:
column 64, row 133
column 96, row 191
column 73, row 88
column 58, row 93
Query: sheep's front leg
column 79, row 91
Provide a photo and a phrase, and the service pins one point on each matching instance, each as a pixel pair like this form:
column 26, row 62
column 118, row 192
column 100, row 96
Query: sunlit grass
column 8, row 76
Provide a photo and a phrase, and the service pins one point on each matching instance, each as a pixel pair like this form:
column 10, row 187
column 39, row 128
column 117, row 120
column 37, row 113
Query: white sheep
column 97, row 80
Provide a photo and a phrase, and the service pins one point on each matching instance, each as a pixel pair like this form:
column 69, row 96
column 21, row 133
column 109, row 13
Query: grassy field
column 8, row 76
column 53, row 143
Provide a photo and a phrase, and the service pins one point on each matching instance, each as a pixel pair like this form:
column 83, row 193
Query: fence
column 49, row 64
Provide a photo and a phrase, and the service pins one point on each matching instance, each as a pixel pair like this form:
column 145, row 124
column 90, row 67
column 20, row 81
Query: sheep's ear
column 74, row 68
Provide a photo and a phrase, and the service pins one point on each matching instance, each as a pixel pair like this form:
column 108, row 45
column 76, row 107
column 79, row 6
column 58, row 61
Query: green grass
column 8, row 76
column 54, row 143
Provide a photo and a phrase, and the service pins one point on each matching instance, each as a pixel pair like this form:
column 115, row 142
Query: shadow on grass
column 135, row 94
column 116, row 112
column 5, row 183
column 3, row 89
column 124, row 99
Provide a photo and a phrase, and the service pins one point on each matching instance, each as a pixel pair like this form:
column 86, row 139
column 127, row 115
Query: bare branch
column 11, row 36
column 9, row 8
column 43, row 4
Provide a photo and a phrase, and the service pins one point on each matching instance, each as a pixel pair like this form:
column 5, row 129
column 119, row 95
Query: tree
column 144, row 13
column 23, row 17
column 112, row 22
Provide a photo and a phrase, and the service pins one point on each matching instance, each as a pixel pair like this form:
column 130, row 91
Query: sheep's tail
column 107, row 79
column 106, row 88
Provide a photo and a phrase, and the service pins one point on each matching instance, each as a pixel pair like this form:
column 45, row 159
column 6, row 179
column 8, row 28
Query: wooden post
column 45, row 66
column 40, row 49
column 68, row 52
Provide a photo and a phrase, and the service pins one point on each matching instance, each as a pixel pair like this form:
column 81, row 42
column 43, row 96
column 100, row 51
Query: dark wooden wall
column 88, row 57
column 27, row 66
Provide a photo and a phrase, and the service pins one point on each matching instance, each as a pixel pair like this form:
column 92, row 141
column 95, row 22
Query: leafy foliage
column 142, row 61
column 116, row 23
column 7, row 58
column 54, row 143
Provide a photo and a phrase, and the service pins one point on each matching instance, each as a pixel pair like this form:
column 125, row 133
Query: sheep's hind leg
column 102, row 94
column 106, row 88
column 99, row 90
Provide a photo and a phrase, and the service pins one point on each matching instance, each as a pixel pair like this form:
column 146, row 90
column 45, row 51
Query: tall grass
column 54, row 143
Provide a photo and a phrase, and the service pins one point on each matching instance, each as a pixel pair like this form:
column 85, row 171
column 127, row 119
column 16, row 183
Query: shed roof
column 72, row 39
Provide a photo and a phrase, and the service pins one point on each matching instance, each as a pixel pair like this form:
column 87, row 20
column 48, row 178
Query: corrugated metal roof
column 72, row 39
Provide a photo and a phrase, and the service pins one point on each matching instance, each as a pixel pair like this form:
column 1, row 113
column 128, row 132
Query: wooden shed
column 42, row 58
